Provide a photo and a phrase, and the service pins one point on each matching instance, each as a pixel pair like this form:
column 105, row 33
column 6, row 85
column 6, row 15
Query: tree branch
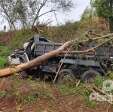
column 37, row 15
column 46, row 13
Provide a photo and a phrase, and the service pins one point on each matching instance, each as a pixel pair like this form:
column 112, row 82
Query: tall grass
column 4, row 52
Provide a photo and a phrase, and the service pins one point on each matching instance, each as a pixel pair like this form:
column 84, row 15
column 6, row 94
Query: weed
column 30, row 98
column 66, row 90
column 4, row 52
column 88, row 102
column 26, row 99
column 80, row 90
column 2, row 62
column 19, row 38
column 69, row 89
column 3, row 94
column 98, row 81
column 110, row 75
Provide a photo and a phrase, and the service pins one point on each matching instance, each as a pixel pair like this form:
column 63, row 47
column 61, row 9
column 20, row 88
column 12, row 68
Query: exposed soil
column 69, row 103
column 6, row 37
column 8, row 104
column 59, row 102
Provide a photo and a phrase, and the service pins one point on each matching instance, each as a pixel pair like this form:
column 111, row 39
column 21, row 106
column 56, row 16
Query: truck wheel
column 89, row 76
column 65, row 76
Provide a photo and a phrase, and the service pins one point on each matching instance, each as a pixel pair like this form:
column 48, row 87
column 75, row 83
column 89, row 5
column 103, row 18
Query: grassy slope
column 19, row 37
column 32, row 95
column 35, row 96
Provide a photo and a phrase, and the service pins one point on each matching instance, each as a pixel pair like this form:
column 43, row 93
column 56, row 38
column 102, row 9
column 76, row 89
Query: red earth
column 59, row 103
column 6, row 37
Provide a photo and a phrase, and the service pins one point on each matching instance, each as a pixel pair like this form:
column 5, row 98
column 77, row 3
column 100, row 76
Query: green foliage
column 103, row 7
column 64, row 32
column 19, row 38
column 3, row 61
column 89, row 103
column 67, row 89
column 26, row 99
column 58, row 34
column 72, row 89
column 4, row 52
column 98, row 81
column 109, row 76
column 79, row 91
column 88, row 13
column 3, row 94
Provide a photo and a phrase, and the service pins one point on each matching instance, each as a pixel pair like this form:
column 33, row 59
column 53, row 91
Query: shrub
column 3, row 62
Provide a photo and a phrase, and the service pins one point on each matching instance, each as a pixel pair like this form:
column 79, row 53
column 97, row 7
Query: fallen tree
column 39, row 60
column 35, row 62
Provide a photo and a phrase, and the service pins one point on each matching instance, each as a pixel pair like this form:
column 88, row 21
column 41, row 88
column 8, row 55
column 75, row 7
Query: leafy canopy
column 104, row 8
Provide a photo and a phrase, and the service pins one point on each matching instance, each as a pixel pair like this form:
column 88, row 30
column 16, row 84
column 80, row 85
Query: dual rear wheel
column 67, row 75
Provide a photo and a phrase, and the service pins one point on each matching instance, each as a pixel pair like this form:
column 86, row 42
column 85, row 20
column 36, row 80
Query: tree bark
column 39, row 60
column 35, row 62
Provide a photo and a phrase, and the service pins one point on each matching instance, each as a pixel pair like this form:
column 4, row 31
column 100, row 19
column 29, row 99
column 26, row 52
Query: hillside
column 56, row 55
column 33, row 95
column 17, row 95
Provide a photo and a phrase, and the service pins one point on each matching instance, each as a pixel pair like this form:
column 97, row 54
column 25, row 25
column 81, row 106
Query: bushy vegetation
column 3, row 61
column 19, row 38
column 81, row 90
column 4, row 52
column 58, row 34
column 104, row 9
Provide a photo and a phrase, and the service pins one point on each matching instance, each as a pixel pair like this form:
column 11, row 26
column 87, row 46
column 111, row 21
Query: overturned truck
column 96, row 60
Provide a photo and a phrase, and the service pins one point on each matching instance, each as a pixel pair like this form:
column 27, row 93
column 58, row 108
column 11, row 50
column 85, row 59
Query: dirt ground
column 58, row 102
column 6, row 37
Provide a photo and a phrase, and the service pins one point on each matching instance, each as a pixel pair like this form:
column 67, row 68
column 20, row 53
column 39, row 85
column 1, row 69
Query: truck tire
column 89, row 76
column 65, row 76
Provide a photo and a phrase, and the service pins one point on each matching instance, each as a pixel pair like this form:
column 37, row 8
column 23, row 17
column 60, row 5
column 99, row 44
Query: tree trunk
column 39, row 60
column 111, row 17
column 111, row 24
column 36, row 62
